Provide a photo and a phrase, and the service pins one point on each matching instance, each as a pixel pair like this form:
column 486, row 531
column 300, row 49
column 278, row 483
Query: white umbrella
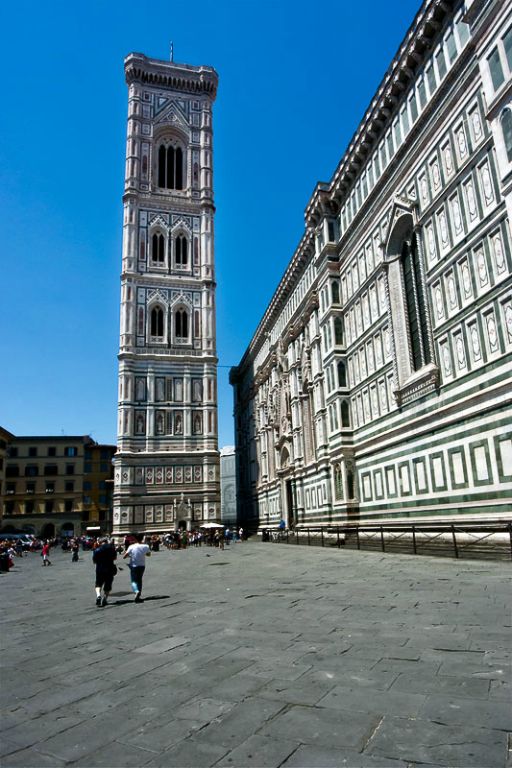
column 211, row 525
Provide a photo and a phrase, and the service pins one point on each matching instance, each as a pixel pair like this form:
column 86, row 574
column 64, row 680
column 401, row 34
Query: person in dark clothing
column 104, row 558
column 75, row 549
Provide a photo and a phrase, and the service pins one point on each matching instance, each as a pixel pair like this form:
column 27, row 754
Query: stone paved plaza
column 261, row 655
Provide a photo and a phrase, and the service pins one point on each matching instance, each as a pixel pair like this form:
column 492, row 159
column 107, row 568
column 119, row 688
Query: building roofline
column 169, row 74
column 409, row 56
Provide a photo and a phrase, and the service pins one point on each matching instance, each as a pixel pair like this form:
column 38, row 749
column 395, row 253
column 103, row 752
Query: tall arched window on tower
column 181, row 252
column 158, row 248
column 181, row 325
column 170, row 166
column 157, row 323
column 506, row 127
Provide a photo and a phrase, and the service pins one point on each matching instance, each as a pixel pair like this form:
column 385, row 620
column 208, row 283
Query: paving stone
column 161, row 646
column 500, row 690
column 452, row 711
column 260, row 752
column 454, row 686
column 88, row 736
column 319, row 757
column 157, row 736
column 7, row 745
column 321, row 726
column 116, row 755
column 29, row 758
column 35, row 730
column 236, row 726
column 238, row 687
column 351, row 678
column 378, row 702
column 421, row 741
column 203, row 710
column 188, row 753
column 299, row 692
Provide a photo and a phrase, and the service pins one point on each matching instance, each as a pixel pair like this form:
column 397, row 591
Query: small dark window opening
column 158, row 248
column 161, row 166
column 345, row 414
column 170, row 167
column 342, row 374
column 181, row 324
column 181, row 251
column 179, row 168
column 157, row 322
column 338, row 330
column 350, row 484
column 335, row 290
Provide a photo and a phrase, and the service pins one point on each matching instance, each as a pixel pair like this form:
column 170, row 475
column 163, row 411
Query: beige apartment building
column 56, row 485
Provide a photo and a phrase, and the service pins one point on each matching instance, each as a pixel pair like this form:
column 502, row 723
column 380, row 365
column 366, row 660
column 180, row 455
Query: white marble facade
column 167, row 465
column 378, row 383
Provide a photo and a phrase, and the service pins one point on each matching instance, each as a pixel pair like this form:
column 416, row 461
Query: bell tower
column 166, row 470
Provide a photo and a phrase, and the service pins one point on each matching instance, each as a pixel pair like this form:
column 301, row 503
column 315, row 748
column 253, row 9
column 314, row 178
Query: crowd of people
column 105, row 550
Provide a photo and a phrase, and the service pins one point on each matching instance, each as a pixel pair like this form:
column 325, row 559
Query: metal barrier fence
column 492, row 540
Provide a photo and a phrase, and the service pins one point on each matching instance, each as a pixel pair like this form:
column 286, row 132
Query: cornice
column 400, row 74
column 180, row 77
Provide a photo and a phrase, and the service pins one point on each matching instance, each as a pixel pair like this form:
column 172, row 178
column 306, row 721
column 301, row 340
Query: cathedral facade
column 378, row 382
column 166, row 470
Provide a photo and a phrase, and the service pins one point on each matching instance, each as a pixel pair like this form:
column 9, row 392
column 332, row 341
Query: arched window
column 342, row 375
column 181, row 252
column 170, row 167
column 506, row 127
column 158, row 248
column 415, row 303
column 335, row 290
column 181, row 324
column 157, row 322
column 411, row 330
column 338, row 330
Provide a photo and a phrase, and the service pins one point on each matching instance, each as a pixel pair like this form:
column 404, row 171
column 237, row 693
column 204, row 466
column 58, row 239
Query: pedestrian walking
column 75, row 549
column 45, row 553
column 137, row 553
column 104, row 557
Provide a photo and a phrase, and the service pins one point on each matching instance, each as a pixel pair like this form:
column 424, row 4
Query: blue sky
column 295, row 79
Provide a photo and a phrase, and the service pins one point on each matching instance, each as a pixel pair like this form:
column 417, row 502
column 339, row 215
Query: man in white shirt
column 137, row 553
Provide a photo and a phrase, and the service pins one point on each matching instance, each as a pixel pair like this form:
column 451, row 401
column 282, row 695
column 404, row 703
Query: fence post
column 455, row 542
column 309, row 538
column 322, row 535
column 338, row 537
column 357, row 537
column 382, row 537
column 510, row 533
column 287, row 536
column 414, row 540
column 297, row 535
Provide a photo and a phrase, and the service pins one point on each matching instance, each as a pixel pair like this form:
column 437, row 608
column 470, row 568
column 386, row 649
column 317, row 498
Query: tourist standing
column 103, row 557
column 45, row 553
column 137, row 553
